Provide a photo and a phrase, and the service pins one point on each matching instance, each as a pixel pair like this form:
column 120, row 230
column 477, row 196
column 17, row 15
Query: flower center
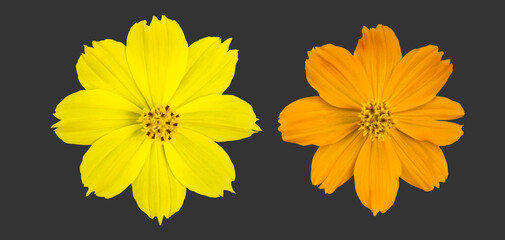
column 160, row 123
column 376, row 119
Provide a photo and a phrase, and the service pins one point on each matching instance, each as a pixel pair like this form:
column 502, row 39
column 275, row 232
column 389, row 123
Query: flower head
column 152, row 112
column 377, row 117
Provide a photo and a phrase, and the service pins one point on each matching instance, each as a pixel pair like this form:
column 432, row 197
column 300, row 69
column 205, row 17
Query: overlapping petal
column 422, row 122
column 87, row 115
column 210, row 69
column 313, row 121
column 157, row 55
column 379, row 52
column 423, row 163
column 440, row 108
column 338, row 77
column 441, row 133
column 333, row 164
column 157, row 192
column 219, row 117
column 417, row 78
column 376, row 175
column 114, row 161
column 104, row 66
column 200, row 164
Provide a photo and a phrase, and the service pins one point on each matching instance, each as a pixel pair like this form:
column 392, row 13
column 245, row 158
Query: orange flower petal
column 441, row 133
column 338, row 77
column 417, row 78
column 379, row 52
column 440, row 108
column 376, row 175
column 333, row 164
column 423, row 163
column 313, row 121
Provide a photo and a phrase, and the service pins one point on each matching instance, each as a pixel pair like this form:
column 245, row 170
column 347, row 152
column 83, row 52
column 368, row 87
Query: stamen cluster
column 375, row 120
column 160, row 123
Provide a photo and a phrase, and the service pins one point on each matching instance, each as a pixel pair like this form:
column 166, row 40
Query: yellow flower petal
column 379, row 52
column 313, row 121
column 157, row 55
column 104, row 66
column 441, row 133
column 88, row 115
column 333, row 164
column 417, row 78
column 114, row 161
column 219, row 117
column 338, row 77
column 376, row 175
column 157, row 192
column 440, row 108
column 200, row 164
column 211, row 67
column 423, row 163
column 196, row 49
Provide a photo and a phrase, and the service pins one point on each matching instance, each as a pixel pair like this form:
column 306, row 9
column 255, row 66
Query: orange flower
column 377, row 117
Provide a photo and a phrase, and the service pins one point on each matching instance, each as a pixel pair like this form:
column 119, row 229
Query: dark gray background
column 41, row 188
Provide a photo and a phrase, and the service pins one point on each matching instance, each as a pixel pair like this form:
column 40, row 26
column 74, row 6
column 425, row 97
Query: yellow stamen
column 376, row 120
column 160, row 123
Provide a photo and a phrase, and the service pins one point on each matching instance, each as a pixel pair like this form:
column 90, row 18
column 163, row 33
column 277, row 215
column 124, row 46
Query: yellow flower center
column 376, row 119
column 160, row 123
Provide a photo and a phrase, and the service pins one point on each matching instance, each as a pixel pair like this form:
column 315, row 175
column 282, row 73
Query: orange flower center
column 375, row 120
column 160, row 123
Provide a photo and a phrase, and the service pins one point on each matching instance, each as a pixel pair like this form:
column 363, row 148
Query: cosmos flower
column 152, row 112
column 377, row 117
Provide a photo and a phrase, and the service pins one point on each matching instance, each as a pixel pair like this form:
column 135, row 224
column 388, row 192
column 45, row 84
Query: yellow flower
column 152, row 111
column 377, row 117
